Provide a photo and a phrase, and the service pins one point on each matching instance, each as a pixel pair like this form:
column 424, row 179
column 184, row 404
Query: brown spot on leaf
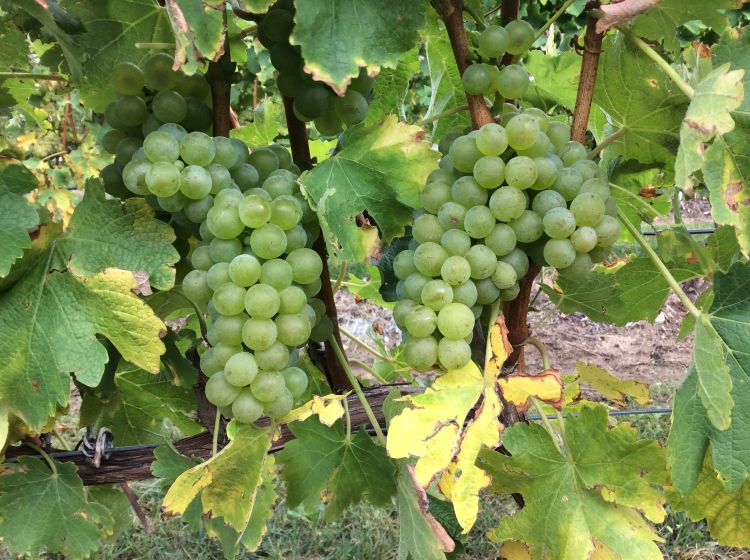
column 35, row 385
column 648, row 192
column 378, row 329
column 702, row 49
column 653, row 83
column 731, row 193
column 708, row 131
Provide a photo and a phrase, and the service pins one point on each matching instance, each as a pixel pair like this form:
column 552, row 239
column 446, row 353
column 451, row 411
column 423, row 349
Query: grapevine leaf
column 339, row 36
column 107, row 233
column 610, row 386
column 227, row 483
column 114, row 499
column 712, row 371
column 198, row 29
column 642, row 103
column 546, row 386
column 169, row 464
column 4, row 424
column 380, row 169
column 348, row 469
column 13, row 48
column 555, row 79
column 112, row 29
column 446, row 88
column 256, row 6
column 708, row 116
column 17, row 217
column 726, row 511
column 266, row 125
column 48, row 329
column 420, row 535
column 692, row 428
column 368, row 288
column 146, row 408
column 597, row 491
column 630, row 291
column 328, row 408
column 17, row 179
column 641, row 191
column 41, row 509
column 392, row 87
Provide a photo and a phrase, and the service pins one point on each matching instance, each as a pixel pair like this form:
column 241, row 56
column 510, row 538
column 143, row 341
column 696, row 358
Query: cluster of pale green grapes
column 503, row 195
column 510, row 81
column 313, row 101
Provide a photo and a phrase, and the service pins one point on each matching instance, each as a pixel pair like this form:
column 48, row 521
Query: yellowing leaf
column 547, row 386
column 514, row 550
column 611, row 387
column 501, row 347
column 327, row 407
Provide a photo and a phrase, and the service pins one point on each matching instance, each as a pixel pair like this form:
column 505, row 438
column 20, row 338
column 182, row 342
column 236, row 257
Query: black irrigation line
column 128, row 448
column 696, row 231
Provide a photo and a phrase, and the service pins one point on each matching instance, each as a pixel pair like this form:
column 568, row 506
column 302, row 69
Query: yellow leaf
column 327, row 407
column 500, row 347
column 514, row 550
column 547, row 386
column 612, row 387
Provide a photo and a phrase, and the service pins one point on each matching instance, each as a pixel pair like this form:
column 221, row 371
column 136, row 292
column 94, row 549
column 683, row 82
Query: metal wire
column 696, row 231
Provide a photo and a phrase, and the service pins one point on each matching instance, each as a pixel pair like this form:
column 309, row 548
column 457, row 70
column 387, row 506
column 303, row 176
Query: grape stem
column 348, row 436
column 54, row 77
column 661, row 267
column 61, row 439
column 553, row 19
column 362, row 344
column 607, row 141
column 44, row 454
column 438, row 116
column 358, row 390
column 217, row 427
column 340, row 277
column 678, row 80
column 705, row 260
column 369, row 370
column 154, row 46
column 543, row 351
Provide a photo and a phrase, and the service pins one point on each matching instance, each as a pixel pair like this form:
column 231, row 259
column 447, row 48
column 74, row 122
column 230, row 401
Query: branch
column 592, row 47
column 219, row 76
column 611, row 15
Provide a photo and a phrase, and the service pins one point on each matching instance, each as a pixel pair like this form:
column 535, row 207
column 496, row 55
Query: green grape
column 296, row 238
column 114, row 185
column 169, row 106
column 546, row 173
column 241, row 153
column 441, row 175
column 518, row 260
column 567, row 183
column 195, row 85
column 520, row 172
column 477, row 79
column 547, row 200
column 465, row 293
column 163, row 179
column 197, row 148
column 285, row 212
column 291, row 81
column 587, row 168
column 241, row 369
column 254, row 210
column 313, row 288
column 292, row 299
column 401, row 311
column 493, row 41
column 161, row 146
column 504, row 276
column 278, row 185
column 501, row 240
column 220, row 177
column 446, row 163
column 436, row 294
column 293, row 328
column 246, row 176
column 453, row 354
column 197, row 210
column 540, row 116
column 312, row 102
column 455, row 321
column 224, row 250
column 414, row 285
column 559, row 223
column 467, row 192
column 262, row 301
column 208, row 362
column 584, row 239
column 558, row 133
column 295, row 380
column 541, row 148
column 596, row 186
column 199, row 116
column 259, row 334
column 429, row 258
column 421, row 353
column 268, row 241
column 268, row 385
column 244, row 270
column 219, row 391
column 599, row 254
column 427, row 228
column 134, row 177
column 559, row 253
column 588, row 209
column 421, row 322
column 607, row 231
column 520, row 36
column 572, row 151
column 363, row 83
column 482, row 261
column 451, row 215
column 224, row 351
column 273, row 358
column 158, row 73
column 456, row 242
column 224, row 222
column 528, row 227
column 489, row 172
column 487, row 292
column 111, row 138
column 435, row 195
column 579, row 268
column 264, row 160
column 246, row 408
column 201, row 258
column 512, row 81
column 351, row 108
column 203, row 232
column 229, row 299
column 218, row 275
column 509, row 294
column 455, row 270
column 403, row 264
column 131, row 110
column 280, row 406
column 195, row 286
column 226, row 154
column 491, row 140
column 125, row 150
column 479, row 222
column 286, row 59
column 522, row 131
column 276, row 273
column 306, row 264
column 127, row 79
column 111, row 118
column 172, row 204
column 329, row 124
column 195, row 182
column 229, row 328
column 464, row 153
column 507, row 204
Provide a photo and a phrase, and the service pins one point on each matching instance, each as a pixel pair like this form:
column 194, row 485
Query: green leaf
column 48, row 327
column 596, row 494
column 339, row 36
column 17, row 179
column 628, row 292
column 727, row 512
column 267, row 124
column 114, row 499
column 256, row 6
column 113, row 28
column 17, row 217
column 46, row 510
column 348, row 470
column 392, row 87
column 628, row 178
column 369, row 288
column 169, row 464
column 610, row 386
column 14, row 50
column 381, row 169
column 640, row 100
column 692, row 430
column 712, row 371
column 555, row 79
column 107, row 233
column 199, row 30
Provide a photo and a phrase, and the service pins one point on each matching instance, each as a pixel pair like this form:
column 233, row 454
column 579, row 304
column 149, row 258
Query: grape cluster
column 510, row 81
column 313, row 101
column 502, row 195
